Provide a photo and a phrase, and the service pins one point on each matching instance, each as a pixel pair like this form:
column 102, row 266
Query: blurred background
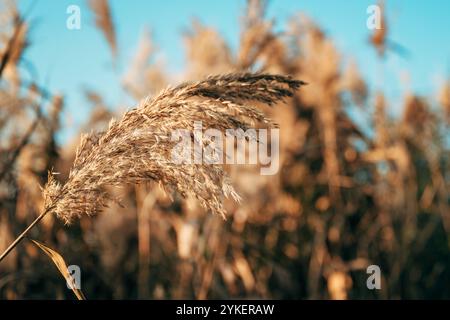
column 364, row 168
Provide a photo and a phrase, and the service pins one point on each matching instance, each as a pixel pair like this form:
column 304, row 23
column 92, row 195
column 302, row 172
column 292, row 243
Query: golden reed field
column 345, row 197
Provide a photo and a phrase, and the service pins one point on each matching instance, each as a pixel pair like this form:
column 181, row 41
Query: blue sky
column 69, row 60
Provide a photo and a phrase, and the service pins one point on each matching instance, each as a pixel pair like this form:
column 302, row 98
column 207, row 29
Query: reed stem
column 22, row 235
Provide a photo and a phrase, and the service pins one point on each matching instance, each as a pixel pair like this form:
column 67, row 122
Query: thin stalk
column 22, row 235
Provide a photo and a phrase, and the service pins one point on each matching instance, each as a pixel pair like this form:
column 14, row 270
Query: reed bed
column 348, row 193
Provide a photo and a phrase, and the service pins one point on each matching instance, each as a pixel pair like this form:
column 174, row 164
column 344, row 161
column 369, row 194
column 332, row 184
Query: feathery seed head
column 137, row 148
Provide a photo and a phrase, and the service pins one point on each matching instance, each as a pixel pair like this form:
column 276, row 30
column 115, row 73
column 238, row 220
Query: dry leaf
column 62, row 267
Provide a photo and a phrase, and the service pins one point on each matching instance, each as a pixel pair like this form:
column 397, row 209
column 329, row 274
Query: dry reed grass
column 137, row 148
column 104, row 22
column 348, row 194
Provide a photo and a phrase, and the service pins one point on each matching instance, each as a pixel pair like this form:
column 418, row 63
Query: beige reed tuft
column 138, row 147
column 104, row 21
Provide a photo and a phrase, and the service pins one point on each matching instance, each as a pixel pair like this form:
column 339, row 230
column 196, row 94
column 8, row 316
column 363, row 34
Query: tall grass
column 348, row 193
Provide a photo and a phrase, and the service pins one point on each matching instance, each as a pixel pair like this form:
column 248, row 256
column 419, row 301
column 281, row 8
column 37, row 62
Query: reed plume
column 104, row 21
column 137, row 148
